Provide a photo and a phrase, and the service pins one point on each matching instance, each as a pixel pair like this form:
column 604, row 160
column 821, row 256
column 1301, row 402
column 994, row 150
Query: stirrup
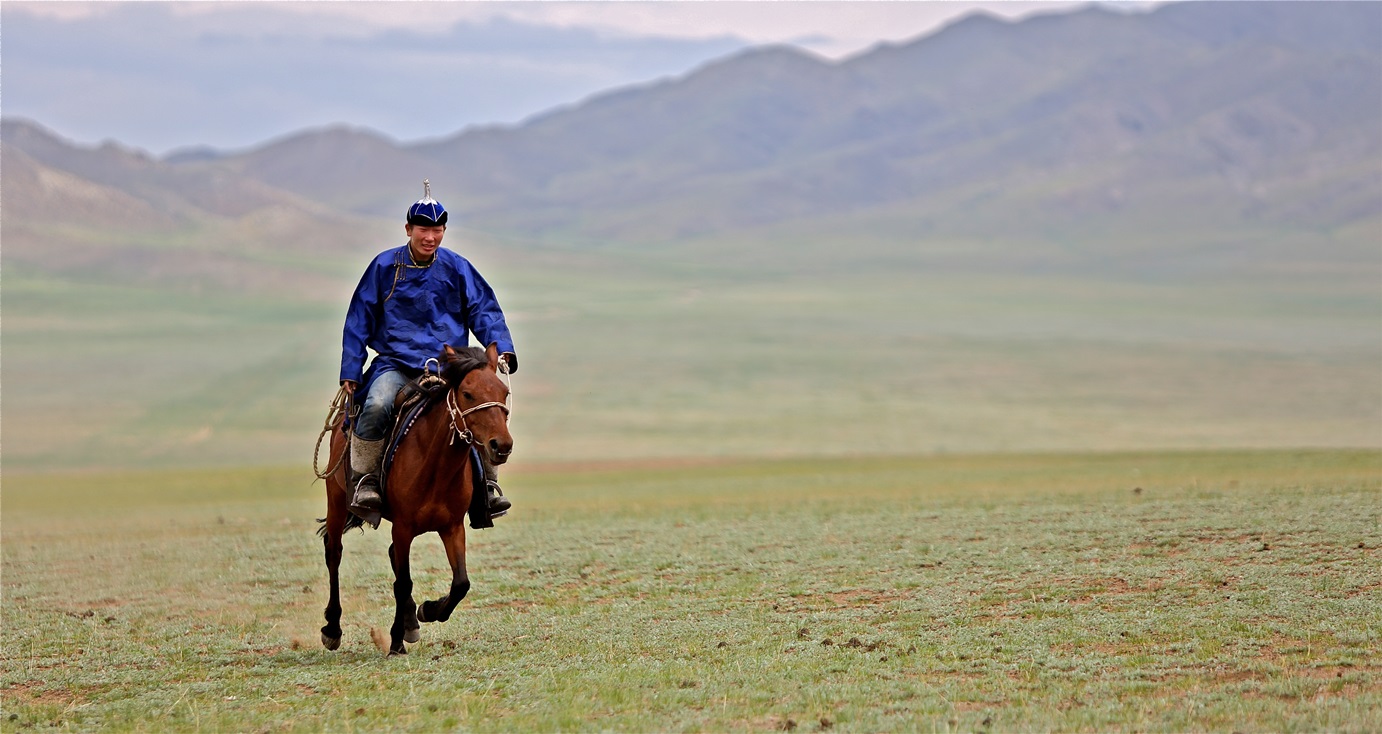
column 498, row 504
column 370, row 512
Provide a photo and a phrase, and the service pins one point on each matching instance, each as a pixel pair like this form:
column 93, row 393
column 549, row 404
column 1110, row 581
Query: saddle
column 415, row 398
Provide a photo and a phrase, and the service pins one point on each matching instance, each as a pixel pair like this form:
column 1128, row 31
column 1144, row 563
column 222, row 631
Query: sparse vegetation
column 626, row 358
column 1157, row 253
column 1233, row 591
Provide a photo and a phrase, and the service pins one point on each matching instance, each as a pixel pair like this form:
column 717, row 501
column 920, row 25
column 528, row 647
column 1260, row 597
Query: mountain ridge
column 916, row 119
column 1189, row 119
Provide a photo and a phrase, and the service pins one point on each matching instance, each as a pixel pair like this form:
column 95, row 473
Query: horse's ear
column 492, row 356
column 447, row 351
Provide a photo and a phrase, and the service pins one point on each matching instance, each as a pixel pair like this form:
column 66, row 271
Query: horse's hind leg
column 411, row 628
column 440, row 610
column 404, row 608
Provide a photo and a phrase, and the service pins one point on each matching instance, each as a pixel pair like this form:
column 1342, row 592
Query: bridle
column 463, row 431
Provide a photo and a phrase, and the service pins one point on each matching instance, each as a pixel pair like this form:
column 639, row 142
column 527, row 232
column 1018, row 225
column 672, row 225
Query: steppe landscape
column 1026, row 375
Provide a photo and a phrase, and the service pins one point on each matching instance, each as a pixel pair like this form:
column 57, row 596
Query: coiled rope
column 340, row 408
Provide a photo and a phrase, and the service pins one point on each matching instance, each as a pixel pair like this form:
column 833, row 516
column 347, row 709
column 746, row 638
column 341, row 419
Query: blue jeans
column 377, row 416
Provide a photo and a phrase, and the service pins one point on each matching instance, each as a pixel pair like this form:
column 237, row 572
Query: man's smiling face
column 423, row 241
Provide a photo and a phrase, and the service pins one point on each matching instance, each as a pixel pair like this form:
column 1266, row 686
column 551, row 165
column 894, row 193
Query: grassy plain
column 1136, row 591
column 651, row 355
column 694, row 521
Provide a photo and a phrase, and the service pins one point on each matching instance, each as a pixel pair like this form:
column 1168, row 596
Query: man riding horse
column 411, row 302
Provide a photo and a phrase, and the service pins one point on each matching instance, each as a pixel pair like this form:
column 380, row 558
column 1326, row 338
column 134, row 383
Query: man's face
column 423, row 241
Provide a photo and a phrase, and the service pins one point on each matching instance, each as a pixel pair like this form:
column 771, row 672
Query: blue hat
column 427, row 212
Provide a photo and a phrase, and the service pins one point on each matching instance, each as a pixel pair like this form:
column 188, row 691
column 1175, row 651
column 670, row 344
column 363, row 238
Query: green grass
column 110, row 375
column 1149, row 591
column 683, row 354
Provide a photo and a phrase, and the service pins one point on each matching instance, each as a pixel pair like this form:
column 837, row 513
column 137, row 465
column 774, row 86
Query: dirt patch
column 1112, row 585
column 1108, row 648
column 865, row 597
column 1084, row 590
column 1234, row 676
column 1324, row 672
column 1280, row 646
column 109, row 602
column 625, row 598
column 1361, row 590
column 32, row 693
column 777, row 723
column 1334, row 679
column 936, row 677
column 520, row 605
column 1237, row 538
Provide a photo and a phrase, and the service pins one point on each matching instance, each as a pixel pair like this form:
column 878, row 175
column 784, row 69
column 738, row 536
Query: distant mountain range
column 1089, row 230
column 1197, row 117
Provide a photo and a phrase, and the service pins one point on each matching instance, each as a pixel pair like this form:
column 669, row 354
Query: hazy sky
column 160, row 75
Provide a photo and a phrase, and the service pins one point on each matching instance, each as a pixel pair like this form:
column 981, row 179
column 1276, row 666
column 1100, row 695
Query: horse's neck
column 440, row 463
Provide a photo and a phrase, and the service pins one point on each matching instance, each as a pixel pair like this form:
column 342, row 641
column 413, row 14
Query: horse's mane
column 455, row 367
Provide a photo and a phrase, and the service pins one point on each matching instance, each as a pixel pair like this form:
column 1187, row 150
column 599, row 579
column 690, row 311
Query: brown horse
column 429, row 488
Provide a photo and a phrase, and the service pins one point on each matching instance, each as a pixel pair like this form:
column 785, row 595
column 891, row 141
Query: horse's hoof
column 422, row 613
column 400, row 650
column 330, row 643
column 412, row 635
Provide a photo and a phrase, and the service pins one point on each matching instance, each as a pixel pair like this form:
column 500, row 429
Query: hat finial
column 427, row 212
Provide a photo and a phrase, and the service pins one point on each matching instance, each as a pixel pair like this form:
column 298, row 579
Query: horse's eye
column 467, row 395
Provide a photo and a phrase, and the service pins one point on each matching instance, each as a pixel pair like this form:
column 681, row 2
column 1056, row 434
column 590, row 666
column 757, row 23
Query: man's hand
column 508, row 362
column 349, row 386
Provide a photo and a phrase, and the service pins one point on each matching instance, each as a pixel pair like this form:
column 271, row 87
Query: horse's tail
column 352, row 522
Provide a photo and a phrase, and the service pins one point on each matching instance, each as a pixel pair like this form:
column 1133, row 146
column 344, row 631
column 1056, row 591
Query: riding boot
column 365, row 457
column 498, row 504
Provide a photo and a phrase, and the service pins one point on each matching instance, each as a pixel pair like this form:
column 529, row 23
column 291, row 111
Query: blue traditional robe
column 406, row 312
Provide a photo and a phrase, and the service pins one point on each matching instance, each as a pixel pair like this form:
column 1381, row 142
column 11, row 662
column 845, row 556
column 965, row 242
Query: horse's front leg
column 411, row 631
column 440, row 610
column 404, row 608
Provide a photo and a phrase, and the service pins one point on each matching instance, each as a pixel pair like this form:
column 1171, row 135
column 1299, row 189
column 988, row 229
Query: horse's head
column 479, row 399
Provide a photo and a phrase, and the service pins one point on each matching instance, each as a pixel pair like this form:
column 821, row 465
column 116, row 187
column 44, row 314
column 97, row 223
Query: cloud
column 232, row 74
column 151, row 76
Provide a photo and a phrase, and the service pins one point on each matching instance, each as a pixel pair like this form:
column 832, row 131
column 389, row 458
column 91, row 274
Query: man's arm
column 484, row 317
column 359, row 325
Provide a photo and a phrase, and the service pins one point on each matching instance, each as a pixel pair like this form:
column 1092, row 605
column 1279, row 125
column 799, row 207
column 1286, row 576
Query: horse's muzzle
column 498, row 450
